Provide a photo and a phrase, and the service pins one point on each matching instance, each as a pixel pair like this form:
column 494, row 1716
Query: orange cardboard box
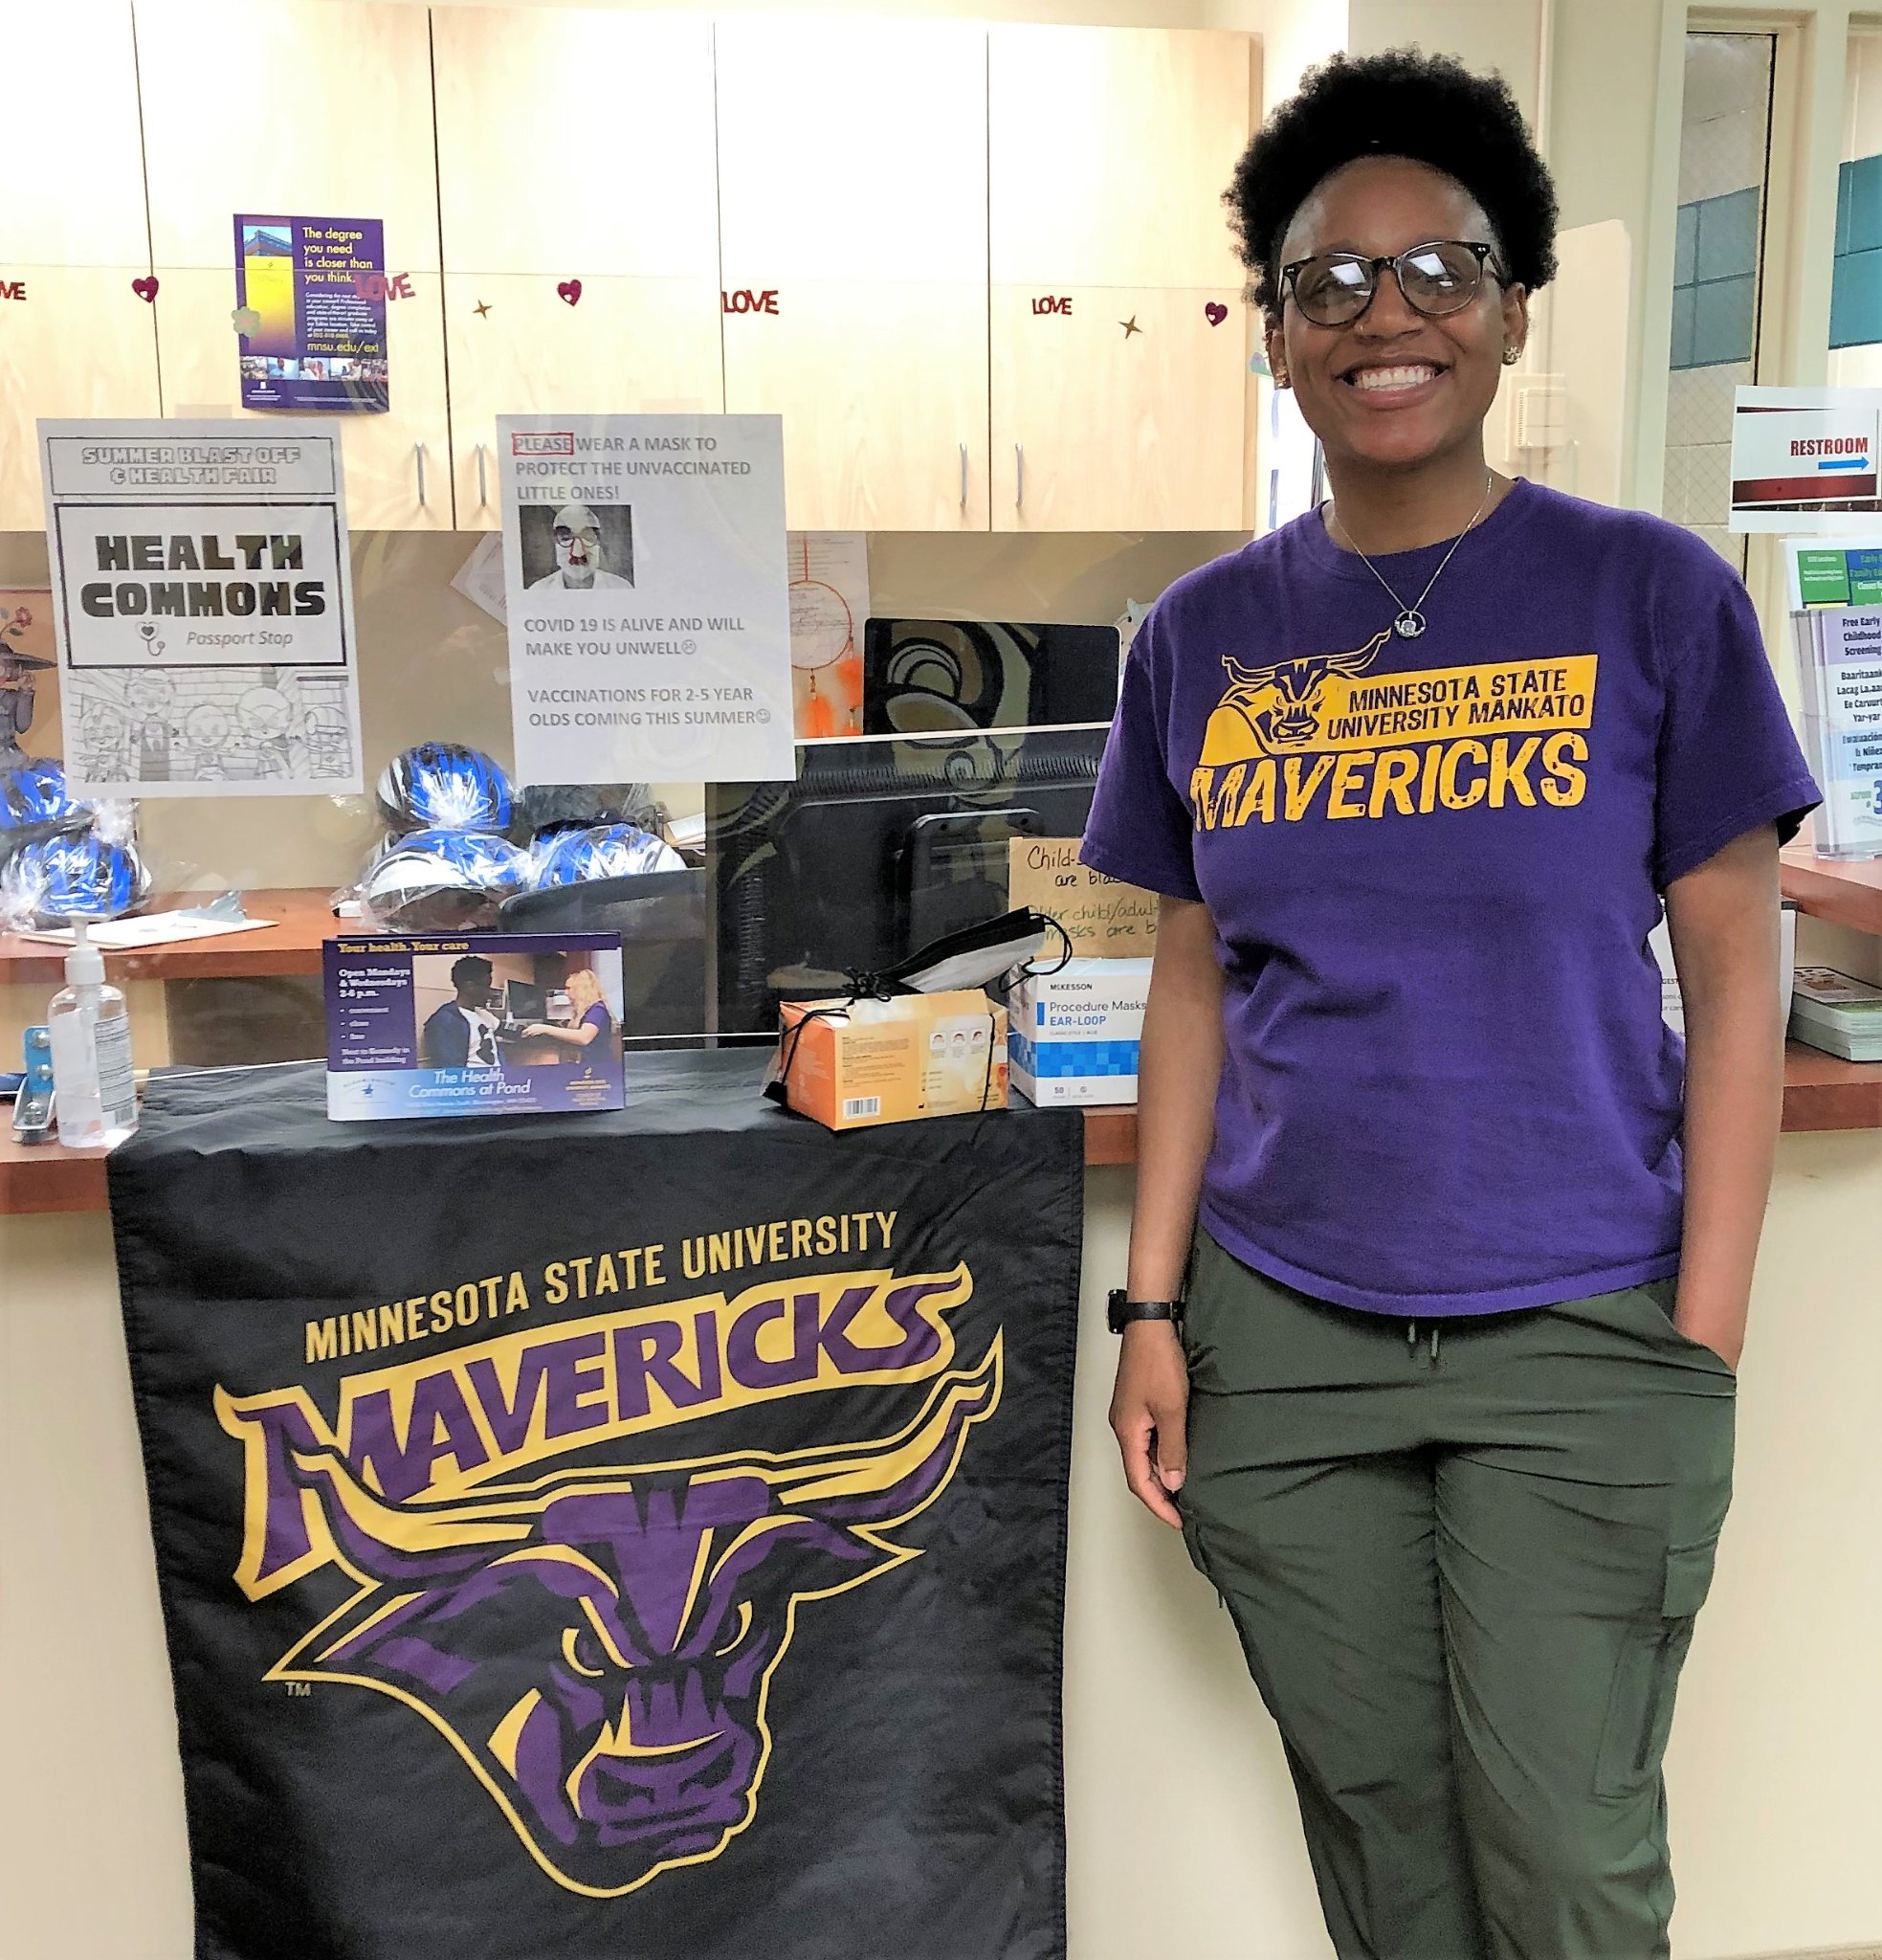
column 853, row 1063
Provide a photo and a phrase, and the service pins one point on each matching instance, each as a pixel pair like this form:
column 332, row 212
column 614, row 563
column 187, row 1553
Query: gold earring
column 1280, row 378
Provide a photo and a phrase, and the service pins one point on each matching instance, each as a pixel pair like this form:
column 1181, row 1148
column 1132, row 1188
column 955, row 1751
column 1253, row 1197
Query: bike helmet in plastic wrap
column 545, row 806
column 33, row 804
column 610, row 850
column 80, row 875
column 444, row 786
column 441, row 880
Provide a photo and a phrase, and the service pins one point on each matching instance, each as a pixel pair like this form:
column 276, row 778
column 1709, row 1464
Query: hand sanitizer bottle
column 94, row 1090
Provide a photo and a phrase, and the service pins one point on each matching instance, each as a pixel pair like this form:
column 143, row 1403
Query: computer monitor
column 524, row 1003
column 877, row 849
column 951, row 676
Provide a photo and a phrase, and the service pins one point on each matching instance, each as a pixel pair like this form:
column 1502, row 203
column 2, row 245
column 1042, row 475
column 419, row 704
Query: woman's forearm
column 1179, row 1067
column 1724, row 919
column 569, row 1038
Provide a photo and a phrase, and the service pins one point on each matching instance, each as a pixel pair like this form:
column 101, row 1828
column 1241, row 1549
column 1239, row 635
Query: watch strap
column 1122, row 1311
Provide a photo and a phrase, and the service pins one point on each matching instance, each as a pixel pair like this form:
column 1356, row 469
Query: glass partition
column 985, row 670
column 1724, row 170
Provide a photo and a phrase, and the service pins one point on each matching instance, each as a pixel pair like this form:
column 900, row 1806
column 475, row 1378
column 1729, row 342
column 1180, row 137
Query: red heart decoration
column 569, row 290
column 1216, row 311
column 144, row 289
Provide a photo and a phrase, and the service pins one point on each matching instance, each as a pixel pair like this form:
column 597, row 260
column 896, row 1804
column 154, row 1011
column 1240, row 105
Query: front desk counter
column 1182, row 1834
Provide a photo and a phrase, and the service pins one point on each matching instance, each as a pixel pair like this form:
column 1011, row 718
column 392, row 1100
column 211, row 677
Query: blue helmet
column 444, row 786
column 81, row 875
column 581, row 806
column 609, row 850
column 440, row 880
column 34, row 803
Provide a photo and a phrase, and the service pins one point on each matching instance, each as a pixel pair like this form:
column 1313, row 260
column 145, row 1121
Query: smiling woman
column 1466, row 1237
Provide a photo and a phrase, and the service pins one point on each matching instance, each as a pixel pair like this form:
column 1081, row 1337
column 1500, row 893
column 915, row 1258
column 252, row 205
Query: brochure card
column 647, row 597
column 471, row 1024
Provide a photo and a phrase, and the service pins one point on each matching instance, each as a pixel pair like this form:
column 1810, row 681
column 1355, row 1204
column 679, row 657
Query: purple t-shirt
column 1432, row 866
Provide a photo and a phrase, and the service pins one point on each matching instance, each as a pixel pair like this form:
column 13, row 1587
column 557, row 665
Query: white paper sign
column 1806, row 459
column 202, row 604
column 649, row 612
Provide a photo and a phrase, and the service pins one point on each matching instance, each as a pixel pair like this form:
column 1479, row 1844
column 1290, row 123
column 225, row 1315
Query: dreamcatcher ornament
column 826, row 663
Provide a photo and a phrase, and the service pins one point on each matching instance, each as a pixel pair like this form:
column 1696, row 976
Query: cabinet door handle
column 483, row 489
column 963, row 475
column 418, row 462
column 1019, row 475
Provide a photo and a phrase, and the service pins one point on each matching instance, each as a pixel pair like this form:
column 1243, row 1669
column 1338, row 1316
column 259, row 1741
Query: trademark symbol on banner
column 298, row 1690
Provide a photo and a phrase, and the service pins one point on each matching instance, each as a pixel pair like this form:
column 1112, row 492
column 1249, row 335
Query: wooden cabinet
column 301, row 108
column 853, row 236
column 623, row 202
column 983, row 275
column 1119, row 340
column 75, row 339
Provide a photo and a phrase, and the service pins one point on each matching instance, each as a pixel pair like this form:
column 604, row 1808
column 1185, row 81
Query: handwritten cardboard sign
column 1102, row 918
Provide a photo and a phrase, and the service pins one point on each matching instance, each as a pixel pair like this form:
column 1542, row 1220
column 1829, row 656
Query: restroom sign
column 1805, row 458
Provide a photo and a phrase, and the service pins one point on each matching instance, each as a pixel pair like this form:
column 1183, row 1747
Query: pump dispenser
column 94, row 1088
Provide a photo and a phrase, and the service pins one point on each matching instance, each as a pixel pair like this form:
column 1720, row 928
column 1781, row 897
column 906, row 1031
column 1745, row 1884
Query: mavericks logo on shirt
column 1322, row 737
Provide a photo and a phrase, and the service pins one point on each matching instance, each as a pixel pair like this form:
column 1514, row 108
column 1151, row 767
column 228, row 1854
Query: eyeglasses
column 1335, row 288
column 588, row 534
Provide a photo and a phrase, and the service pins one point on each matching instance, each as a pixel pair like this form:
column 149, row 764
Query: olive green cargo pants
column 1463, row 1559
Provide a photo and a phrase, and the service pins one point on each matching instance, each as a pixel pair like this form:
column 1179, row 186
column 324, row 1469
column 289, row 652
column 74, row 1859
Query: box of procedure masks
column 1073, row 1034
column 473, row 1024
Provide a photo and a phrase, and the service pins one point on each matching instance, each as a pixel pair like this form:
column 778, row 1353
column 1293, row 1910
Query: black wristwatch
column 1122, row 1311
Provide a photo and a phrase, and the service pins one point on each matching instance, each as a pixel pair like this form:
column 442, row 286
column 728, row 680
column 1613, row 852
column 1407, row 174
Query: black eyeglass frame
column 1485, row 255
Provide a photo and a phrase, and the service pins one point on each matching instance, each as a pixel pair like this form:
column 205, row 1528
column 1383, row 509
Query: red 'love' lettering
column 1053, row 303
column 747, row 302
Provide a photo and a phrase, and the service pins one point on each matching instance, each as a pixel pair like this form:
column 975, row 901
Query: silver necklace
column 1410, row 620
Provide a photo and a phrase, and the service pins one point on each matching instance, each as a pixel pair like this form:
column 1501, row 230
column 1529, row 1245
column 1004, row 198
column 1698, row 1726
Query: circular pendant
column 1410, row 623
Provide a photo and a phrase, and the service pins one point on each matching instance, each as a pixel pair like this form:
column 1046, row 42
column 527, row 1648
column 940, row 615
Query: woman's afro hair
column 1401, row 103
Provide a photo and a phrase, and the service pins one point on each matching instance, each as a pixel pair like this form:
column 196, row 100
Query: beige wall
column 1183, row 1839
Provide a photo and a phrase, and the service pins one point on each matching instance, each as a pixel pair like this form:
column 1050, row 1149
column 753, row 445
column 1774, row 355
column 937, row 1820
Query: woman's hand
column 536, row 1030
column 1149, row 1415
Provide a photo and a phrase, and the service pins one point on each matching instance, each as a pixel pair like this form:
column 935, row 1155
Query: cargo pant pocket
column 1640, row 1701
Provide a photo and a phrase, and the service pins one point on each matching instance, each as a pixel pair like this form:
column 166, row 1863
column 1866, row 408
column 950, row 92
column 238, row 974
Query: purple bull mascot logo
column 596, row 1638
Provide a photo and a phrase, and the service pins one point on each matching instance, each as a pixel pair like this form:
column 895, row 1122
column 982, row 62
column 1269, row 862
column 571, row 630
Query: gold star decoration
column 481, row 308
column 1130, row 326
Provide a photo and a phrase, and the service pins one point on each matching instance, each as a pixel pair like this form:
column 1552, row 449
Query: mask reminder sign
column 1805, row 458
column 310, row 298
column 648, row 598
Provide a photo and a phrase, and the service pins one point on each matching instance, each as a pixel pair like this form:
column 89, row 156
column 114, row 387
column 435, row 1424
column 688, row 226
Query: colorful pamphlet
column 310, row 298
column 1838, row 1013
column 1839, row 651
column 473, row 1024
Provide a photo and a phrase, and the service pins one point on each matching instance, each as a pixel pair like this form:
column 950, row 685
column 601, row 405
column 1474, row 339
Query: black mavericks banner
column 631, row 1535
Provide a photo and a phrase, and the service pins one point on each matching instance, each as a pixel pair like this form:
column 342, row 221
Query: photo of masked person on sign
column 588, row 551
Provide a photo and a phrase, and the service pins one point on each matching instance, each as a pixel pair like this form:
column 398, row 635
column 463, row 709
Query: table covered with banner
column 634, row 1534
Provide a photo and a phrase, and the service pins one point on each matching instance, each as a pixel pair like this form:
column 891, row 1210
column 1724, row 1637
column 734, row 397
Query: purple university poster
column 310, row 296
